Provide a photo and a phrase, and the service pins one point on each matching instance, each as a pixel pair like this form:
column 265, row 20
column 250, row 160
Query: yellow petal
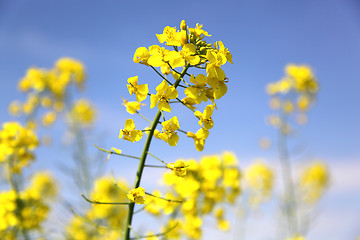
column 129, row 124
column 154, row 100
column 162, row 87
column 164, row 106
column 173, row 139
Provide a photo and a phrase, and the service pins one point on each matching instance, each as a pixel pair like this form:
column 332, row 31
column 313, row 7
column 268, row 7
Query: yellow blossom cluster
column 102, row 221
column 48, row 89
column 82, row 112
column 17, row 144
column 313, row 182
column 295, row 92
column 26, row 209
column 189, row 50
column 259, row 179
column 207, row 185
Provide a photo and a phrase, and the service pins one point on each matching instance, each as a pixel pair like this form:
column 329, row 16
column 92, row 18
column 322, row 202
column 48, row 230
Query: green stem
column 143, row 159
column 145, row 118
column 286, row 169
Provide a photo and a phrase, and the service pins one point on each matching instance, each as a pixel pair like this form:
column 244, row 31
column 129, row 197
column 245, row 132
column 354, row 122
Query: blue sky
column 263, row 36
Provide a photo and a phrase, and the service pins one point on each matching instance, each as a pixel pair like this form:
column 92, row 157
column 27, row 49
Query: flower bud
column 183, row 25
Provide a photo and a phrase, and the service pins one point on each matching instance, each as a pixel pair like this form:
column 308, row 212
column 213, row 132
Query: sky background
column 263, row 36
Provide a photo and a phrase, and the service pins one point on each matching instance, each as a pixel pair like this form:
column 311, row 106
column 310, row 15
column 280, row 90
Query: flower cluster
column 83, row 112
column 185, row 49
column 26, row 209
column 259, row 179
column 190, row 50
column 48, row 90
column 294, row 92
column 313, row 182
column 207, row 185
column 16, row 145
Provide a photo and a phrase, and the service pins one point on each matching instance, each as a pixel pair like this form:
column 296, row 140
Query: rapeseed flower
column 129, row 133
column 164, row 93
column 141, row 91
column 137, row 195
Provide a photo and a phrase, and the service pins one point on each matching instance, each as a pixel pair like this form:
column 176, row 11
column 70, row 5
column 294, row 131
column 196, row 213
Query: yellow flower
column 197, row 91
column 219, row 87
column 303, row 102
column 259, row 179
column 15, row 108
column 198, row 32
column 132, row 107
column 164, row 93
column 303, row 77
column 213, row 67
column 224, row 51
column 129, row 133
column 83, row 112
column 178, row 168
column 168, row 133
column 158, row 56
column 71, row 67
column 205, row 118
column 137, row 195
column 141, row 56
column 43, row 186
column 187, row 54
column 313, row 182
column 141, row 91
column 288, row 107
column 199, row 137
column 48, row 118
column 35, row 78
column 172, row 37
column 189, row 102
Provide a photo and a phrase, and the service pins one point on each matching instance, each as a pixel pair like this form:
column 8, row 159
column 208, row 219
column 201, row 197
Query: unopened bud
column 183, row 25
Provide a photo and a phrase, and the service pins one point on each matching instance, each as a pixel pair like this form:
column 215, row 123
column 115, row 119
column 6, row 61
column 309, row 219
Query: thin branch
column 163, row 116
column 145, row 118
column 161, row 75
column 182, row 131
column 154, row 166
column 177, row 71
column 185, row 105
column 136, row 236
column 165, row 199
column 111, row 152
column 157, row 158
column 97, row 202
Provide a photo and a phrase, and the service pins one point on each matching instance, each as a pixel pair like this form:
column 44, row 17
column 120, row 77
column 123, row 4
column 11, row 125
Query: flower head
column 199, row 137
column 129, row 133
column 178, row 168
column 137, row 195
column 168, row 133
column 163, row 95
column 141, row 91
column 205, row 117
